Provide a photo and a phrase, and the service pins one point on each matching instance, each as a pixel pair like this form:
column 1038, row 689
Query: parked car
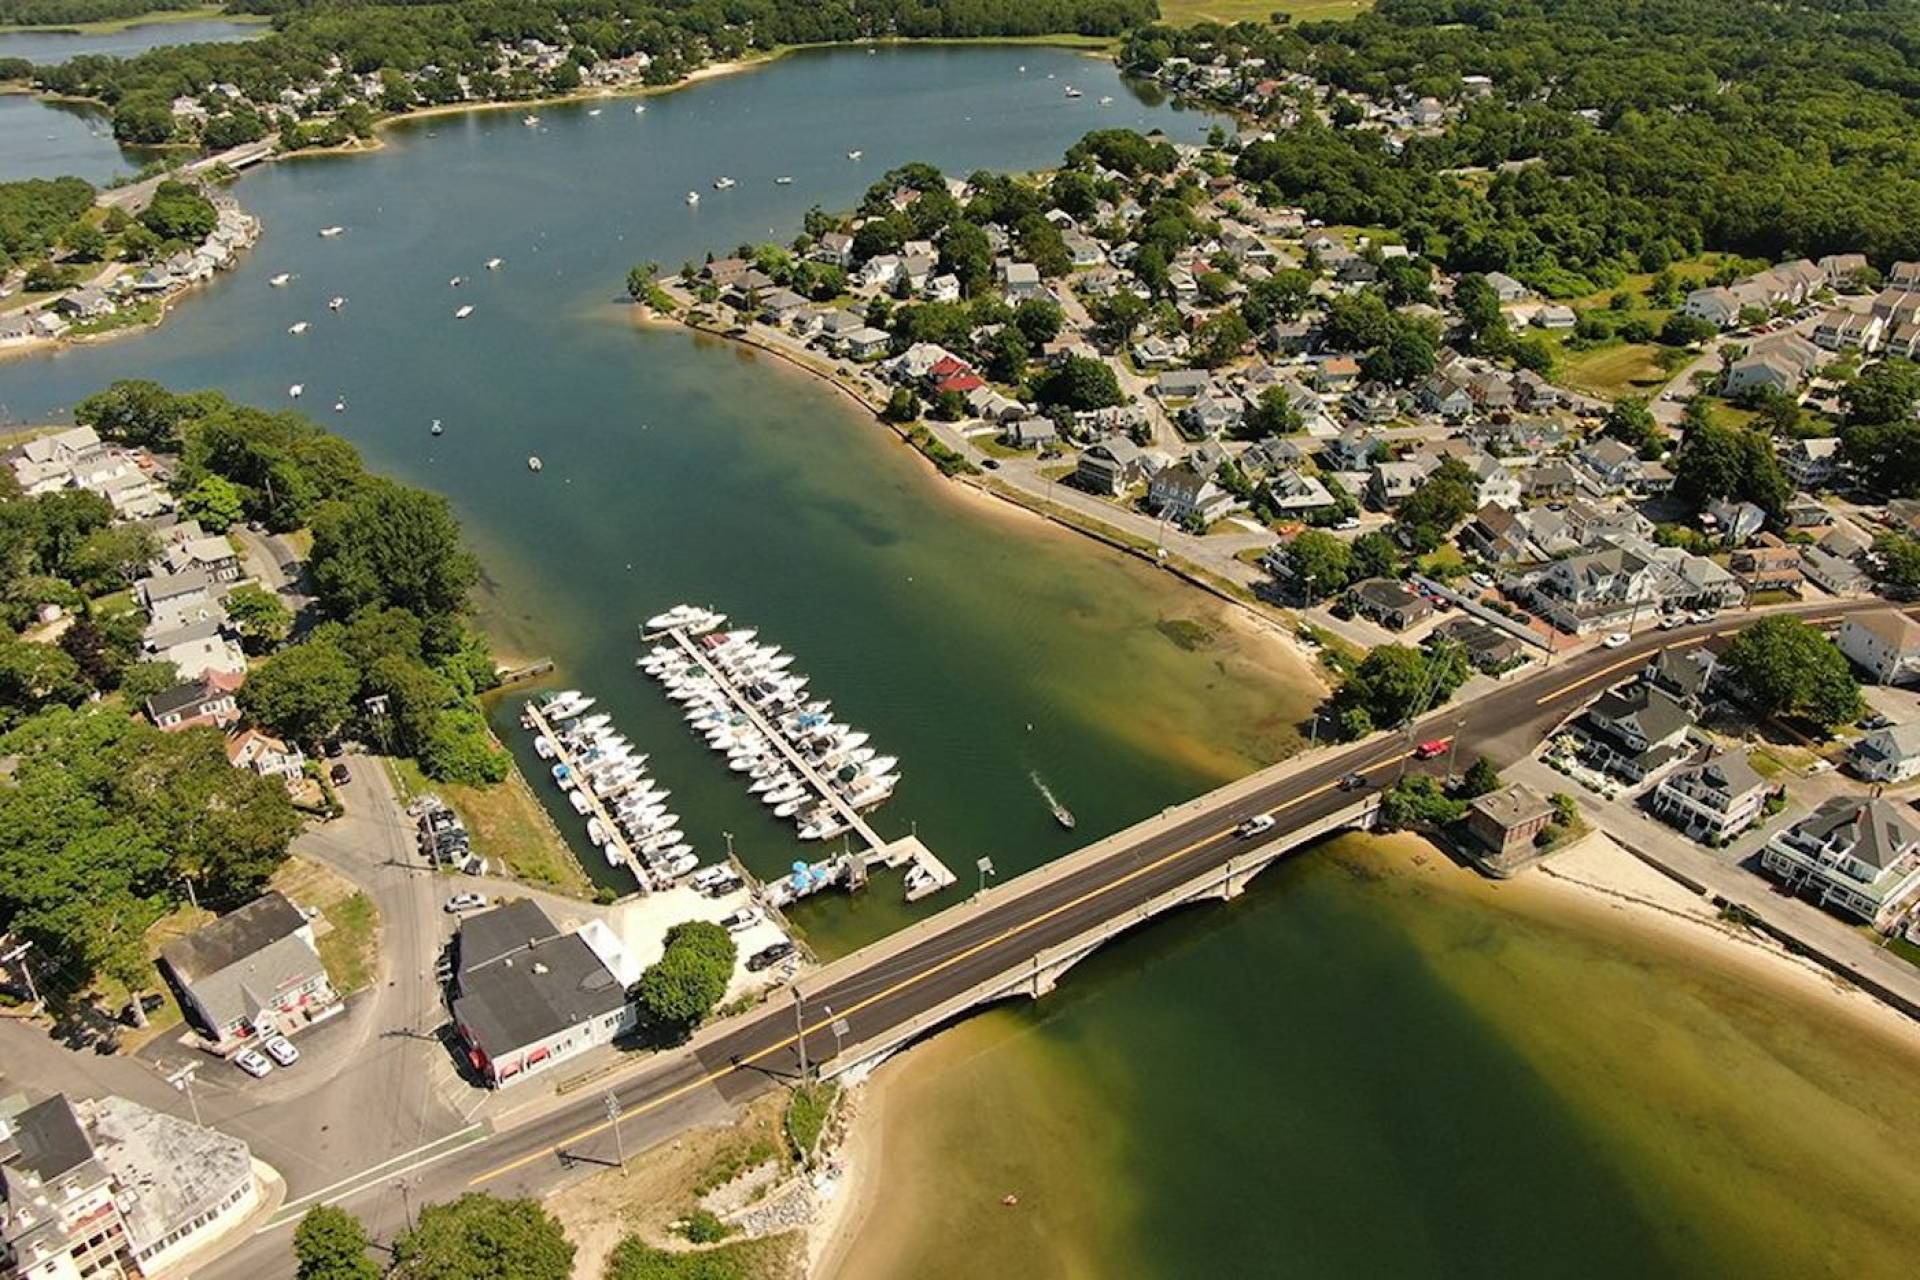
column 722, row 887
column 1617, row 639
column 340, row 774
column 251, row 1062
column 1668, row 621
column 281, row 1050
column 1875, row 721
column 1256, row 825
column 766, row 957
column 1703, row 615
column 1482, row 580
column 1351, row 522
column 740, row 921
column 465, row 902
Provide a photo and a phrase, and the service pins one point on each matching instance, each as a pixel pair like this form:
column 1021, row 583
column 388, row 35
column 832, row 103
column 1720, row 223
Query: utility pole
column 985, row 867
column 613, row 1115
column 406, row 1202
column 1453, row 745
column 800, row 1031
column 183, row 1081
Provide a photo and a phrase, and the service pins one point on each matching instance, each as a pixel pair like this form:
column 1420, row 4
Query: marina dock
column 616, row 838
column 926, row 874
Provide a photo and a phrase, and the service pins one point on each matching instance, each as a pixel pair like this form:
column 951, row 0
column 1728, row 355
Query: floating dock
column 616, row 837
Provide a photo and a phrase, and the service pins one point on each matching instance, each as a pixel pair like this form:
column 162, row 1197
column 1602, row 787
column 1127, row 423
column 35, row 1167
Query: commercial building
column 109, row 1188
column 1508, row 821
column 527, row 996
column 252, row 971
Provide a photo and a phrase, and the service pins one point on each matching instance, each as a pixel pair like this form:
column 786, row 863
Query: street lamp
column 406, row 1202
column 800, row 1030
column 183, row 1081
column 838, row 1027
column 985, row 867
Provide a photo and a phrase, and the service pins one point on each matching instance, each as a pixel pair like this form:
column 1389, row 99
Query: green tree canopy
column 482, row 1237
column 1789, row 668
column 330, row 1244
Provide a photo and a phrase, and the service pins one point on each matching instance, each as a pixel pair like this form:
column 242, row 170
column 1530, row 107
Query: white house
column 1884, row 643
column 1855, row 854
column 1887, row 755
column 1716, row 799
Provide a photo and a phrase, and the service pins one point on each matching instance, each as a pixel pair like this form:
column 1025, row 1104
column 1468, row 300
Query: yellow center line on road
column 905, row 984
column 1589, row 679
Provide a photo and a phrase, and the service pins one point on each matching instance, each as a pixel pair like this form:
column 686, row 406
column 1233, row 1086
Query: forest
column 465, row 39
column 47, row 13
column 1618, row 136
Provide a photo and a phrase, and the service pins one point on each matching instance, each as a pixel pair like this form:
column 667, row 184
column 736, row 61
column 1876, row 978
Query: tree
column 330, row 1244
column 1481, row 778
column 215, row 502
column 1220, row 339
column 391, row 545
column 1394, row 682
column 179, row 212
column 85, row 242
column 1680, row 330
column 1375, row 556
column 1789, row 668
column 1418, row 801
column 1716, row 462
column 482, row 1237
column 458, row 748
column 1632, row 423
column 259, row 615
column 678, row 990
column 1322, row 564
column 1443, row 500
column 1281, row 296
column 1899, row 562
column 1885, row 456
column 640, row 278
column 1006, row 353
column 1883, row 392
column 135, row 412
column 304, row 693
column 902, row 406
column 103, row 646
column 1478, row 305
column 1039, row 321
column 1079, row 383
column 1272, row 414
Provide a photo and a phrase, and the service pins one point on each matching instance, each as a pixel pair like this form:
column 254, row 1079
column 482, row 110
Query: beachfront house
column 1858, row 855
column 1713, row 800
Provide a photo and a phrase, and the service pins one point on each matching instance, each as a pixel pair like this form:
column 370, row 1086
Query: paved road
column 968, row 945
column 134, row 196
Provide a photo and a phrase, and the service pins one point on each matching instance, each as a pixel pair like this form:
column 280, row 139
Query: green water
column 1366, row 1069
column 1335, row 1076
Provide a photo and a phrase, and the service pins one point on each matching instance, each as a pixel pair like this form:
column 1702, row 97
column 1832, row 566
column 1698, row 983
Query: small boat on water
column 456, row 282
column 280, row 281
column 339, row 406
column 639, row 108
column 296, row 390
column 855, row 155
column 463, row 312
column 1061, row 814
column 783, row 181
column 596, row 832
column 1106, row 101
column 1073, row 92
column 297, row 327
column 493, row 264
column 533, row 463
column 594, row 112
column 723, row 184
column 436, row 428
column 693, row 197
column 543, row 746
column 530, row 121
column 328, row 233
column 336, row 302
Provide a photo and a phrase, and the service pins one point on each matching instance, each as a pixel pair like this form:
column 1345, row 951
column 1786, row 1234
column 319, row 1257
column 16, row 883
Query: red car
column 1430, row 748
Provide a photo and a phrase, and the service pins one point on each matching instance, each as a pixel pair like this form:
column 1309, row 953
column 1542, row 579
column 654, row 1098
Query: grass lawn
column 299, row 541
column 508, row 825
column 1612, row 371
column 347, row 931
column 1183, row 13
column 110, row 995
column 1445, row 563
column 107, row 26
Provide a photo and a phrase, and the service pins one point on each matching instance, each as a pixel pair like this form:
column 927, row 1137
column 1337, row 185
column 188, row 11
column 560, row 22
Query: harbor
column 801, row 763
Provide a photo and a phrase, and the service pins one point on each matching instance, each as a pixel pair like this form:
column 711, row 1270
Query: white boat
column 579, row 801
column 1072, row 92
column 594, row 112
column 296, row 390
column 436, row 428
column 596, row 833
column 639, row 108
column 533, row 462
column 722, row 183
column 879, row 765
column 679, row 864
column 297, row 327
column 463, row 313
column 855, row 155
column 530, row 121
column 280, row 281
column 693, row 197
column 1106, row 102
column 339, row 406
column 328, row 233
column 598, row 720
column 568, row 705
column 783, row 181
column 542, row 746
column 456, row 282
column 493, row 264
column 336, row 302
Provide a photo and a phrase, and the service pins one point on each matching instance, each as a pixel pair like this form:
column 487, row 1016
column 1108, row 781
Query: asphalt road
column 982, row 941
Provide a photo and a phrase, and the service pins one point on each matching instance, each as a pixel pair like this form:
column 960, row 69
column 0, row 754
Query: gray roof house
column 1636, row 732
column 1109, row 467
column 1887, row 755
column 252, row 971
column 1714, row 799
column 1857, row 855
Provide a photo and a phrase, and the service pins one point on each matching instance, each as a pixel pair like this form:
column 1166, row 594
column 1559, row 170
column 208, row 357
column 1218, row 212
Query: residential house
column 1351, row 450
column 1336, row 374
column 1884, row 643
column 269, row 756
column 48, row 463
column 1858, row 855
column 1505, row 287
column 1842, row 268
column 1493, row 482
column 1716, row 305
column 1489, row 648
column 1612, row 464
column 212, row 556
column 1186, row 493
column 1296, row 493
column 1508, row 822
column 1833, row 574
column 1491, row 392
column 1811, row 463
column 1549, row 480
column 1535, row 394
column 1843, row 330
column 1182, row 384
column 834, row 248
column 192, row 704
column 197, row 649
column 1555, row 316
column 1497, row 535
column 527, row 996
column 1442, row 395
column 865, row 343
column 1685, row 675
column 1766, row 564
column 1394, row 482
column 1887, row 755
column 1021, row 281
column 1779, row 363
column 1373, row 402
column 1713, row 800
column 252, row 972
column 1109, row 467
column 1635, row 732
column 1030, row 433
column 1391, row 604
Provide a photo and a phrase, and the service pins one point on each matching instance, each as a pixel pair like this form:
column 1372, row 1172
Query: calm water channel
column 1348, row 1072
column 49, row 47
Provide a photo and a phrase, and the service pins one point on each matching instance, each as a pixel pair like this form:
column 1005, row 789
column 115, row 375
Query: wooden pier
column 904, row 852
column 615, row 838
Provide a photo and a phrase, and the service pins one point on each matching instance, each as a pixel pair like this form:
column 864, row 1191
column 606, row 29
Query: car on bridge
column 1430, row 748
column 1256, row 825
column 1353, row 781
